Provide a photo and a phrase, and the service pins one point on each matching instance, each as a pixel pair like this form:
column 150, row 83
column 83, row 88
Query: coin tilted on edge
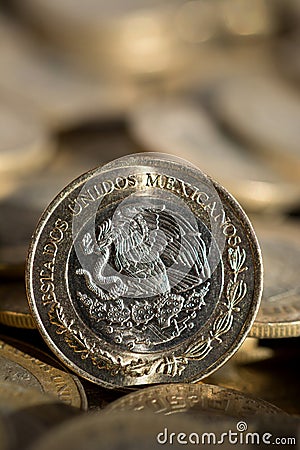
column 24, row 370
column 14, row 309
column 193, row 399
column 144, row 271
column 279, row 313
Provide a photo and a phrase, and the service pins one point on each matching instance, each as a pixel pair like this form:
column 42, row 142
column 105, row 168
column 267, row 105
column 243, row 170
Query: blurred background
column 215, row 82
column 81, row 83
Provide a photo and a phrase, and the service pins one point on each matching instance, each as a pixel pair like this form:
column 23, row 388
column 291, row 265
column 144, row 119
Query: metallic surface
column 26, row 414
column 24, row 370
column 128, row 431
column 179, row 126
column 265, row 112
column 273, row 378
column 279, row 313
column 25, row 144
column 55, row 94
column 134, row 328
column 196, row 400
column 14, row 309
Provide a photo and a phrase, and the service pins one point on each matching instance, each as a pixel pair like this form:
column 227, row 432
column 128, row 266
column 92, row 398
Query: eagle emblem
column 148, row 278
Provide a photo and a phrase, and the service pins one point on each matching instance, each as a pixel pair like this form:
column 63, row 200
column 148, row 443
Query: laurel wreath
column 235, row 292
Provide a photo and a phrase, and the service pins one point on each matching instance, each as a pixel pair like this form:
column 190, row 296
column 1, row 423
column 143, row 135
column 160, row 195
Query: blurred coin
column 264, row 112
column 26, row 414
column 77, row 153
column 123, row 37
column 183, row 128
column 193, row 399
column 29, row 372
column 13, row 247
column 279, row 313
column 56, row 93
column 97, row 397
column 288, row 55
column 14, row 309
column 274, row 379
column 213, row 64
column 14, row 397
column 244, row 18
column 147, row 321
column 130, row 431
column 24, row 143
column 251, row 351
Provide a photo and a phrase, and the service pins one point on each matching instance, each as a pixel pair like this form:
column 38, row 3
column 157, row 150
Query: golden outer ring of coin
column 277, row 330
column 163, row 161
column 53, row 381
column 17, row 320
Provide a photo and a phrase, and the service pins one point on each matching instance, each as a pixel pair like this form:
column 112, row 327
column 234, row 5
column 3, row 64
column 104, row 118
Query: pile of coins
column 149, row 224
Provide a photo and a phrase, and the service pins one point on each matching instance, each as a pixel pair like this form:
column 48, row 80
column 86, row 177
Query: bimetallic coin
column 14, row 309
column 139, row 270
column 24, row 145
column 29, row 372
column 193, row 399
column 279, row 313
column 264, row 112
column 183, row 128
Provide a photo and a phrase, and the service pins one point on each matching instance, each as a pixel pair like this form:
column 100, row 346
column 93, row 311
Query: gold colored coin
column 131, row 431
column 14, row 309
column 274, row 379
column 279, row 313
column 128, row 37
column 14, row 397
column 24, row 144
column 183, row 128
column 15, row 231
column 193, row 399
column 55, row 93
column 264, row 112
column 26, row 414
column 29, row 372
column 250, row 351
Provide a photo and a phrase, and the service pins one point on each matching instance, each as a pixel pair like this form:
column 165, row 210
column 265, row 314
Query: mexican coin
column 279, row 313
column 144, row 271
column 195, row 400
column 24, row 370
column 14, row 309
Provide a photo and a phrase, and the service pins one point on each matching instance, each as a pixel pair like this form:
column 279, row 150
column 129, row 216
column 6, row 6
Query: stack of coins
column 149, row 224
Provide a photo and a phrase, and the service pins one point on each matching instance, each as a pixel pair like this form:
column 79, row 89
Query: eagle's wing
column 170, row 251
column 186, row 253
